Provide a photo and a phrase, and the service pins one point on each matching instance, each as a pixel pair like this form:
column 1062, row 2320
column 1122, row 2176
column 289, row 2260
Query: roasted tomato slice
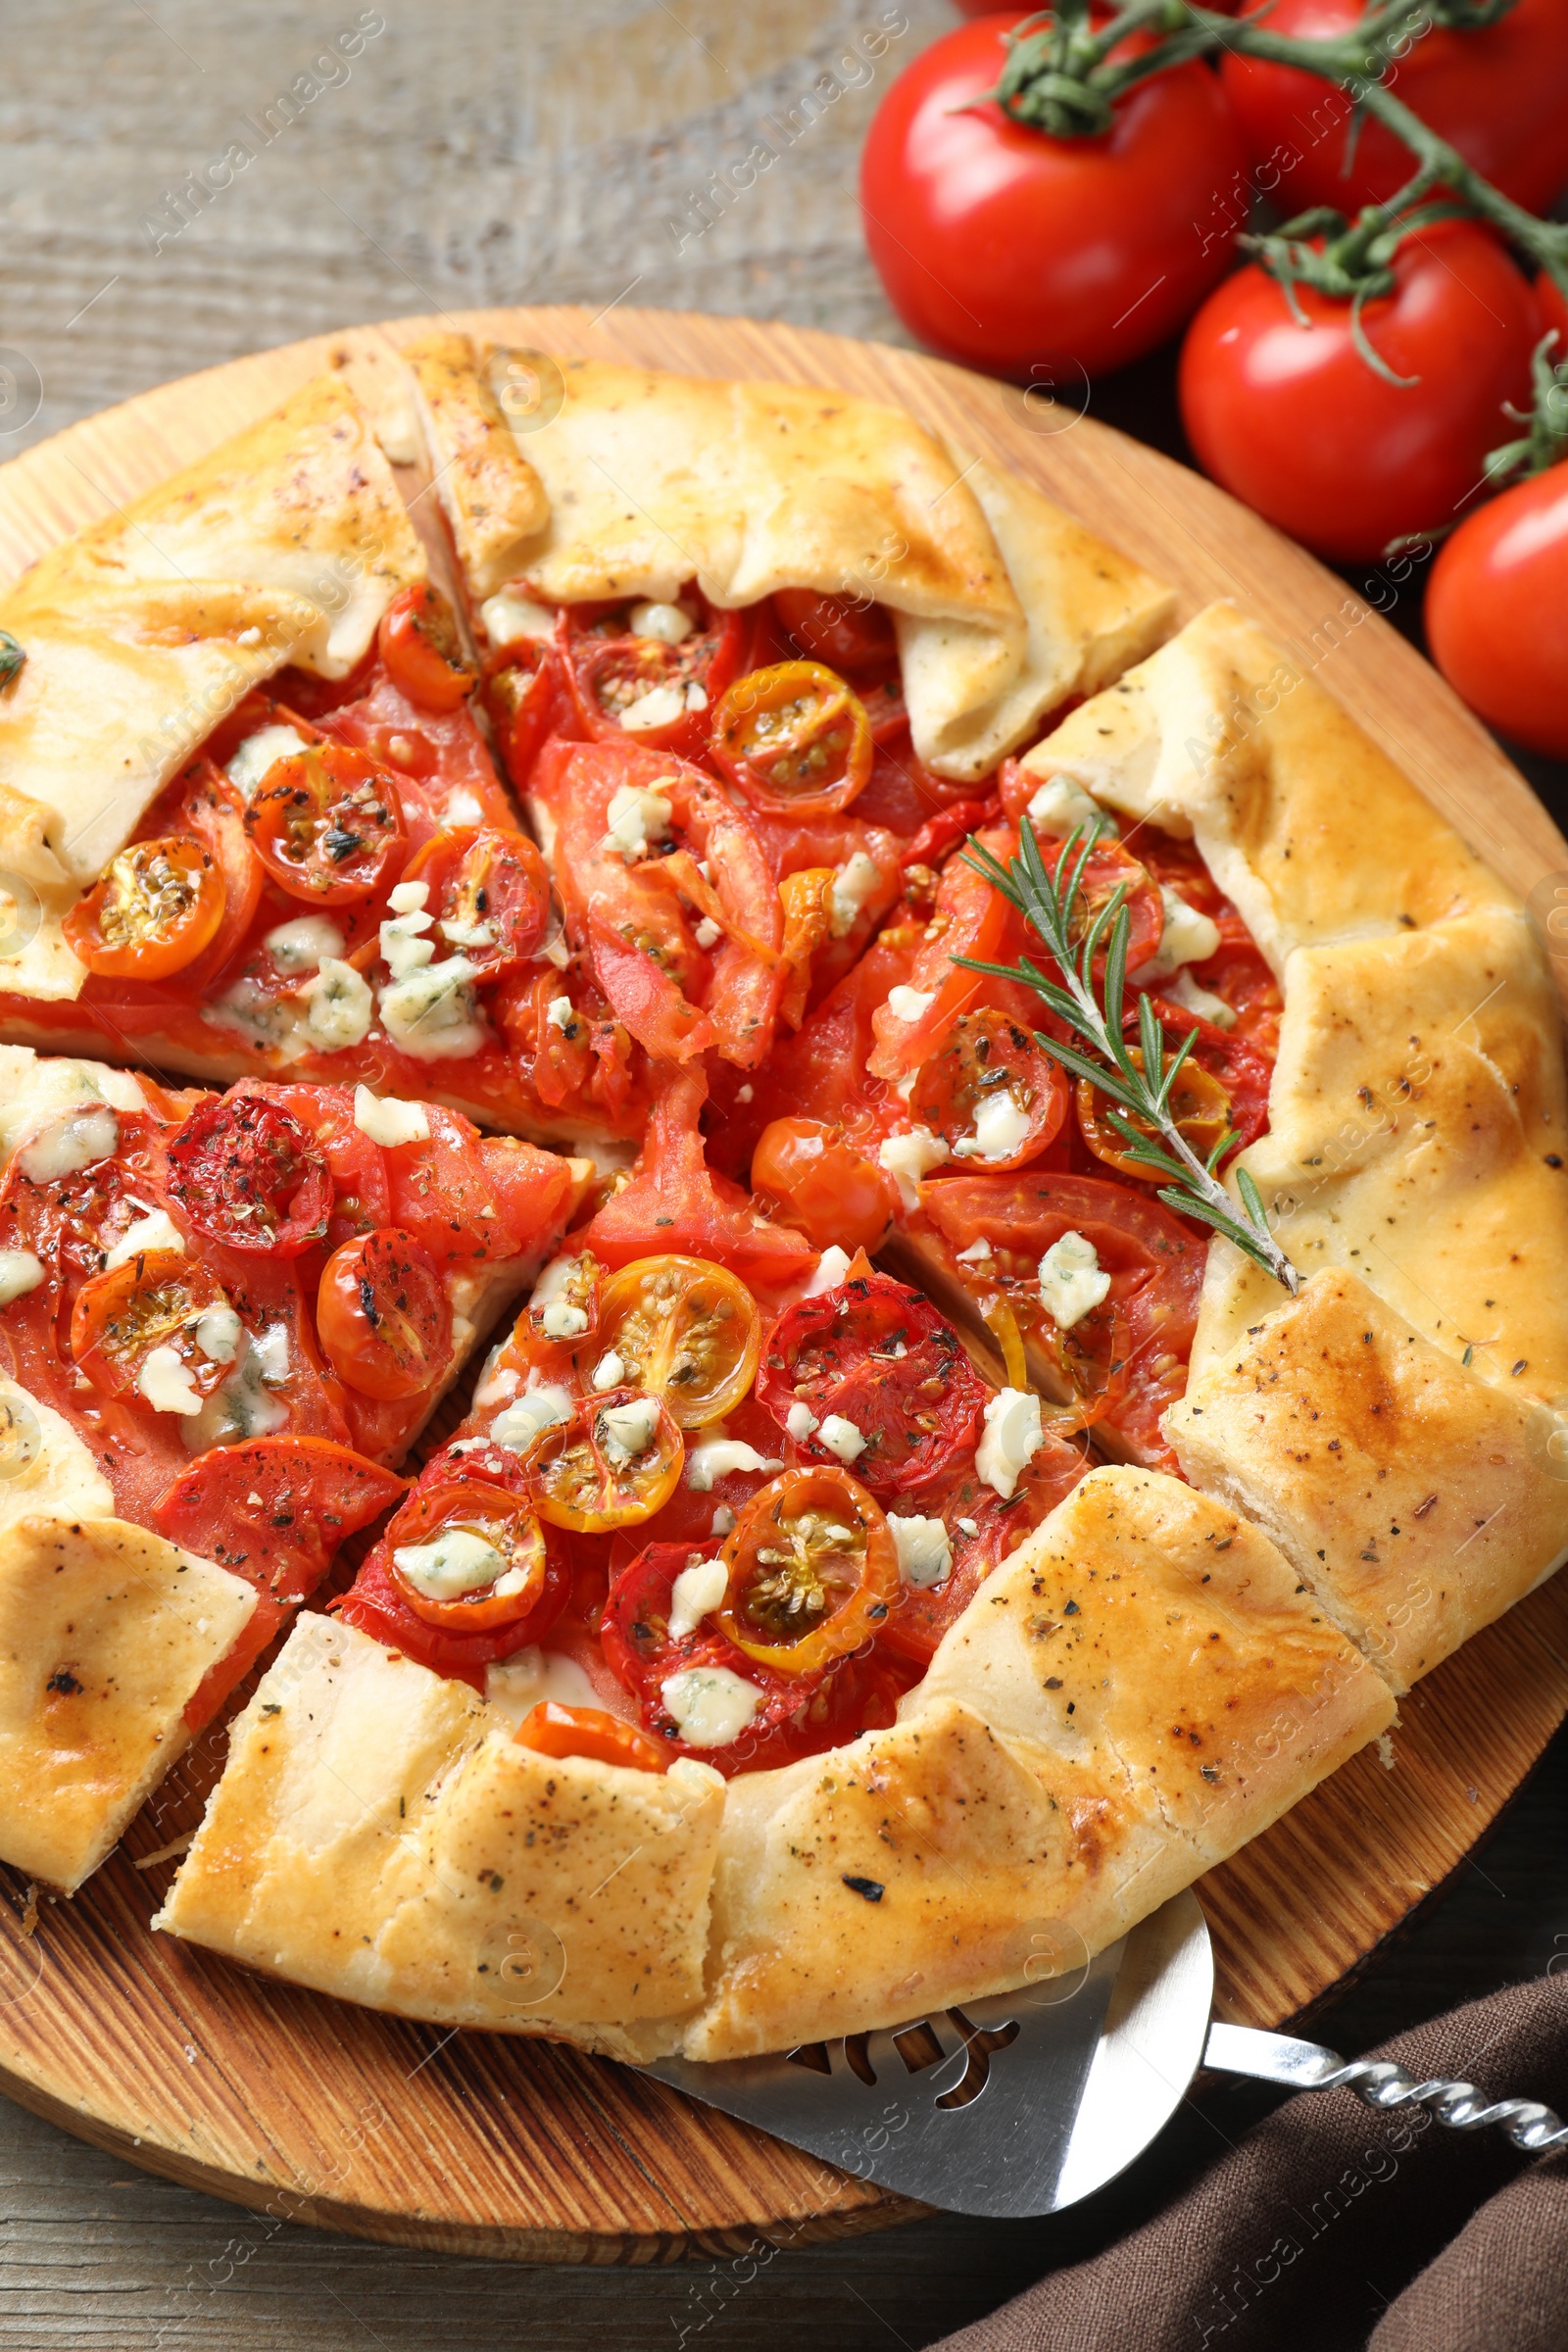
column 489, row 895
column 275, row 1509
column 468, row 1557
column 247, row 1173
column 422, row 650
column 683, row 1329
column 613, row 1464
column 553, row 1729
column 823, row 1184
column 1199, row 1105
column 991, row 1093
column 844, row 632
column 793, row 738
column 983, row 1531
column 1107, row 869
column 871, row 1369
column 328, row 824
column 383, row 1315
column 152, row 1327
column 664, row 692
column 813, row 1572
column 155, row 909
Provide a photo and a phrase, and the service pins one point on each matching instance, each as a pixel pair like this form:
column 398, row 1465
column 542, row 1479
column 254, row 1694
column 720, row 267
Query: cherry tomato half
column 613, row 1464
column 422, row 650
column 1199, row 1107
column 489, row 895
column 877, row 1355
column 1290, row 417
column 795, row 739
column 842, row 631
column 991, row 1093
column 328, row 824
column 157, row 907
column 1494, row 611
column 829, row 1190
column 683, row 1329
column 247, row 1173
column 525, row 696
column 486, row 1520
column 155, row 1301
column 813, row 1572
column 608, row 672
column 383, row 1315
column 553, row 1729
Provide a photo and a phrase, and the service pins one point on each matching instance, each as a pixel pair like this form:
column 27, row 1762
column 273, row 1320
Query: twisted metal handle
column 1307, row 2066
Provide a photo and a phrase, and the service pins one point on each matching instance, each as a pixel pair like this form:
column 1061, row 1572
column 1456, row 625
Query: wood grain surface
column 306, row 2108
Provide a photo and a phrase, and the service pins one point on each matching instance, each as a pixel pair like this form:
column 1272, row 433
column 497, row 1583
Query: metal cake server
column 1025, row 2102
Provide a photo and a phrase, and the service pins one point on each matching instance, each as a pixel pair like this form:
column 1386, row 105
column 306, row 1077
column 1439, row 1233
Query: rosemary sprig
column 1138, row 1081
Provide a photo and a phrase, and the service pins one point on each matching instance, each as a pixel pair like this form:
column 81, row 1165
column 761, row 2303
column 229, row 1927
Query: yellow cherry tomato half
column 614, row 1463
column 156, row 908
column 683, row 1329
column 795, row 738
column 159, row 1303
column 812, row 1570
column 1200, row 1105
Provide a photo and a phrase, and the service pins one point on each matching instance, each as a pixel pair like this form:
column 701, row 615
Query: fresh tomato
column 845, row 632
column 991, row 1093
column 608, row 673
column 833, row 1193
column 1128, row 1361
column 553, row 1729
column 478, row 1529
column 1294, row 421
column 422, row 650
column 275, row 1509
column 675, row 1202
column 328, row 825
column 489, row 895
column 983, row 1529
column 874, row 1354
column 1496, row 92
column 383, row 1315
column 157, row 907
column 613, row 1464
column 683, row 1329
column 1040, row 258
column 813, row 1572
column 1494, row 612
column 793, row 738
column 249, row 1174
column 153, row 1304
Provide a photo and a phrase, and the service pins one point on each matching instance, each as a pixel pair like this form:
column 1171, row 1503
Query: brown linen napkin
column 1332, row 2213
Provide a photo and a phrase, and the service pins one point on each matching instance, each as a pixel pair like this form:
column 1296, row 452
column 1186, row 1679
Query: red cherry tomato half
column 422, row 650
column 553, row 1729
column 275, row 1509
column 487, row 1520
column 983, row 1529
column 153, row 1302
column 876, row 1355
column 157, row 907
column 1294, row 421
column 1494, row 612
column 489, row 895
column 608, row 672
column 1047, row 259
column 1496, row 92
column 795, row 738
column 328, row 825
column 524, row 694
column 985, row 1062
column 247, row 1173
column 383, row 1315
column 826, row 1188
column 841, row 631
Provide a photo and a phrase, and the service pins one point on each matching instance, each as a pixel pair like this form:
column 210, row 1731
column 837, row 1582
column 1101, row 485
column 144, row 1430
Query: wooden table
column 506, row 153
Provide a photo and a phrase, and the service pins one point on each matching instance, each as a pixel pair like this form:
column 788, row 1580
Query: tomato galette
column 1065, row 1276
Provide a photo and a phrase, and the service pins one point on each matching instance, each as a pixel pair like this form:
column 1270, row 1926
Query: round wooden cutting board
column 314, row 2111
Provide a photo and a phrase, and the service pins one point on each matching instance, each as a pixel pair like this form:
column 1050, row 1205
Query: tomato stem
column 1546, row 439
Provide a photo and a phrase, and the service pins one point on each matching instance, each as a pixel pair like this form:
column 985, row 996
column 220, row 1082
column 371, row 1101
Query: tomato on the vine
column 1040, row 258
column 1496, row 92
column 1494, row 612
column 1292, row 418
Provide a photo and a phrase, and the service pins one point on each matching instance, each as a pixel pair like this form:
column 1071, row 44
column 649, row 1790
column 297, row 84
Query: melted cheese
column 1072, row 1283
column 155, row 1231
column 710, row 1706
column 1015, row 1431
column 388, row 1121
column 76, row 1140
column 454, row 1563
column 695, row 1591
column 716, row 1458
column 925, row 1554
column 303, row 945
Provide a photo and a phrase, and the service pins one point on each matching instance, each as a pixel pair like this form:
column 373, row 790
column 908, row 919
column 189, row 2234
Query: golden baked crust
column 1003, row 606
